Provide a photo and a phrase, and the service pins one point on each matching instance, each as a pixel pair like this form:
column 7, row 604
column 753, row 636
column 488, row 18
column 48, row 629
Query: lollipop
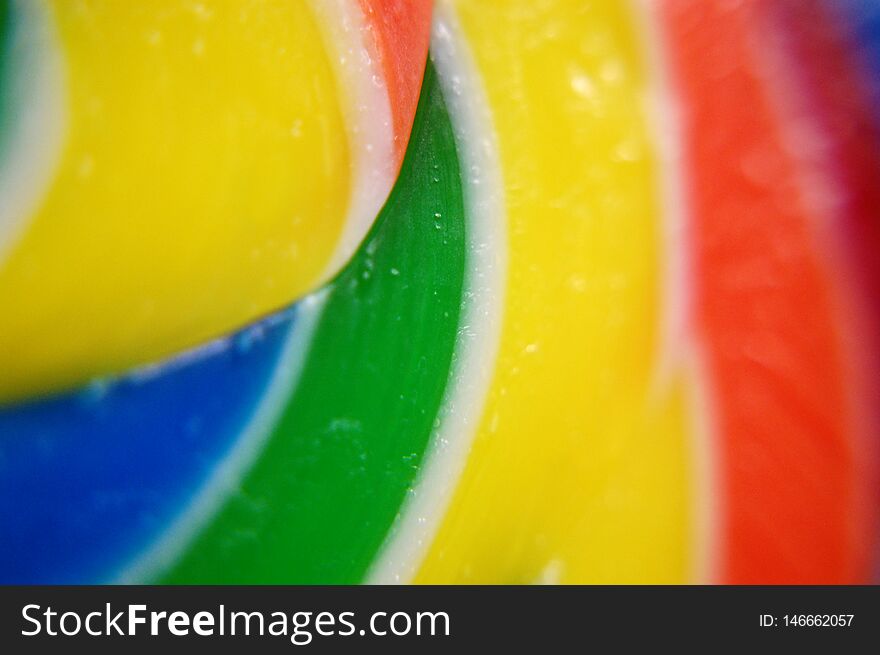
column 616, row 322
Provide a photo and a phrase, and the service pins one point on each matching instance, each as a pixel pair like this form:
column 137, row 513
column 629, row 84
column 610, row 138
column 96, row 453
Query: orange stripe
column 402, row 29
column 768, row 318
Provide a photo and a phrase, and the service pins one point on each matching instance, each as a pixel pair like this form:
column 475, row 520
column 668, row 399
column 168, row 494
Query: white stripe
column 35, row 117
column 680, row 355
column 366, row 110
column 227, row 475
column 480, row 330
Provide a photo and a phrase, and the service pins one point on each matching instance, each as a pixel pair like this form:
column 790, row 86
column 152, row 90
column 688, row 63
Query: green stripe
column 318, row 504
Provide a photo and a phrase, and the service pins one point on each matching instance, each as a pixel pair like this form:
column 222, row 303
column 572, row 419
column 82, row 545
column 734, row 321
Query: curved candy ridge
column 576, row 460
column 227, row 472
column 271, row 474
column 112, row 466
column 366, row 114
column 217, row 163
column 319, row 501
column 401, row 30
column 477, row 341
column 770, row 310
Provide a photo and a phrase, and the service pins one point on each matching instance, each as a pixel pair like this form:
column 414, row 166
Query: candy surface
column 210, row 163
column 334, row 410
column 617, row 321
column 569, row 419
column 771, row 312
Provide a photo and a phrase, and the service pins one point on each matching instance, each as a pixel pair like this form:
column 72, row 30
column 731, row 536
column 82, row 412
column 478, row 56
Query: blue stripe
column 89, row 479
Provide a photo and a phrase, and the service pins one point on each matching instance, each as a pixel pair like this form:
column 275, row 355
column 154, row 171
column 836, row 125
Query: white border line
column 37, row 91
column 479, row 333
column 366, row 111
column 680, row 353
column 227, row 475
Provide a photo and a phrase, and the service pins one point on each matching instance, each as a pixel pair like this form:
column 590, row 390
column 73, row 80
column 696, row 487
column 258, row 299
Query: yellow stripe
column 579, row 469
column 204, row 181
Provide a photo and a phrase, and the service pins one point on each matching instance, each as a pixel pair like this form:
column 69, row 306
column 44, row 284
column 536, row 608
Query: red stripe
column 402, row 29
column 792, row 501
column 829, row 91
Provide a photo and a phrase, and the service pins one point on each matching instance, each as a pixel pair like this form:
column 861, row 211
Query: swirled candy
column 172, row 170
column 617, row 321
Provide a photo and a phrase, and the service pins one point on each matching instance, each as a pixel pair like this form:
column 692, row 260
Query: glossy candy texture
column 189, row 168
column 604, row 495
column 346, row 447
column 293, row 468
column 787, row 344
column 617, row 321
